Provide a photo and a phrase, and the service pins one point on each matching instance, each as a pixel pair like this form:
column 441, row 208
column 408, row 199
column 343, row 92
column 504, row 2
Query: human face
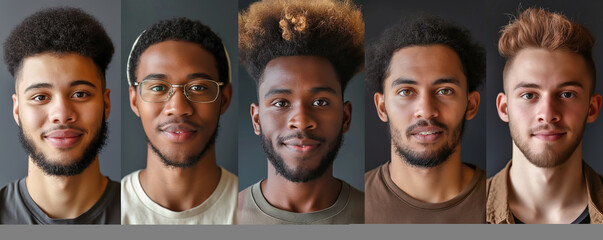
column 425, row 102
column 547, row 102
column 300, row 116
column 179, row 131
column 61, row 108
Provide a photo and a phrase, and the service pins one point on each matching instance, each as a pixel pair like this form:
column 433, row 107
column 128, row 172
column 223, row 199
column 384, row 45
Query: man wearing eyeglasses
column 178, row 72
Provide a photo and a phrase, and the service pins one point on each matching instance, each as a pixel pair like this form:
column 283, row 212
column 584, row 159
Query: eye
column 527, row 96
column 197, row 88
column 567, row 95
column 40, row 97
column 445, row 91
column 405, row 92
column 158, row 88
column 80, row 94
column 320, row 102
column 280, row 103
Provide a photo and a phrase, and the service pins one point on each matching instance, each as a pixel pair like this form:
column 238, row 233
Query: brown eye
column 405, row 92
column 320, row 102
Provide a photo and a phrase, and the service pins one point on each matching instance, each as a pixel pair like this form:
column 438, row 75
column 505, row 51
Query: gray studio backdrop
column 221, row 17
column 14, row 160
column 253, row 166
column 380, row 15
column 585, row 12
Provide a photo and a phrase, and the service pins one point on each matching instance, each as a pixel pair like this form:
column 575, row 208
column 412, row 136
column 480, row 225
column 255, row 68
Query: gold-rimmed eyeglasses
column 199, row 91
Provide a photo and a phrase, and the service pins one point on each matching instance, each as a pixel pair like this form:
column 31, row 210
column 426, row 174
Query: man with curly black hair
column 58, row 57
column 424, row 74
column 179, row 78
column 301, row 55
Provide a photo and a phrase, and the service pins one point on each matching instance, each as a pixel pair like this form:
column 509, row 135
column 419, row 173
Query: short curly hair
column 536, row 27
column 327, row 28
column 59, row 31
column 425, row 30
column 180, row 29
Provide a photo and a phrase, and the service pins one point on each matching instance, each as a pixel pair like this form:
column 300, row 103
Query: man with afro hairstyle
column 301, row 55
column 548, row 97
column 58, row 57
column 179, row 77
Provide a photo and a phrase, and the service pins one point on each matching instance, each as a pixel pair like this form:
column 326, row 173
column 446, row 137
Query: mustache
column 547, row 127
column 177, row 120
column 424, row 123
column 64, row 126
column 301, row 135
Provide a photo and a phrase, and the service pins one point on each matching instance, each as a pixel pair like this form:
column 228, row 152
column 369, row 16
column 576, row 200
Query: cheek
column 32, row 116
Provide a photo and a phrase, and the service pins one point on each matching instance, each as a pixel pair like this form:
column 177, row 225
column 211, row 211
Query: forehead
column 58, row 69
column 299, row 73
column 176, row 59
column 547, row 68
column 425, row 64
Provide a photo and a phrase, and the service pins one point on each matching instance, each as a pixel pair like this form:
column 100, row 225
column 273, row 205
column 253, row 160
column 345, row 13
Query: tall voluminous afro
column 425, row 30
column 180, row 29
column 59, row 31
column 327, row 28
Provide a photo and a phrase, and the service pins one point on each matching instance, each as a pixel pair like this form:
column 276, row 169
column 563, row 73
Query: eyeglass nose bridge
column 172, row 91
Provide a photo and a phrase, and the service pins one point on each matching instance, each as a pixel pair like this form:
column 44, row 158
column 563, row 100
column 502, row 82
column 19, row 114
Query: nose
column 425, row 107
column 62, row 111
column 547, row 111
column 178, row 104
column 301, row 118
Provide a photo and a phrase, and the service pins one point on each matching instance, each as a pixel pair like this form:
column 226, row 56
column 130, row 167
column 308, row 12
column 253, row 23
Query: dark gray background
column 14, row 160
column 585, row 12
column 380, row 15
column 253, row 165
column 221, row 17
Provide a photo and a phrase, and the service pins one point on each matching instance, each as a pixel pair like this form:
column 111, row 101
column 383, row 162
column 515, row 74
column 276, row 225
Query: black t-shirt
column 17, row 207
column 584, row 218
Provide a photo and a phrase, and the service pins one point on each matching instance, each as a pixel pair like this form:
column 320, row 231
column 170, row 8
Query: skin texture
column 547, row 103
column 70, row 98
column 300, row 104
column 171, row 186
column 426, row 92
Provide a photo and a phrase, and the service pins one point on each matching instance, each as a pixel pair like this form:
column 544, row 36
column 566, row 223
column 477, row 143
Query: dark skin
column 300, row 95
column 179, row 62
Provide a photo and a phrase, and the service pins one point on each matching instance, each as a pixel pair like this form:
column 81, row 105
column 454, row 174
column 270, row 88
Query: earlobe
column 347, row 116
column 472, row 105
column 501, row 107
column 133, row 103
column 254, row 111
column 107, row 100
column 226, row 97
column 16, row 109
column 594, row 108
column 379, row 99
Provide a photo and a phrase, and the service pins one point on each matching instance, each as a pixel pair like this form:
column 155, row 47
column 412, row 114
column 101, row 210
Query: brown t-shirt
column 386, row 203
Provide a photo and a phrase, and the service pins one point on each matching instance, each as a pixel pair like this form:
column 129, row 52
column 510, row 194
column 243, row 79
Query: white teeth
column 426, row 133
column 178, row 132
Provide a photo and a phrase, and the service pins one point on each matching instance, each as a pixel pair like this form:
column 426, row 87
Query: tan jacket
column 497, row 208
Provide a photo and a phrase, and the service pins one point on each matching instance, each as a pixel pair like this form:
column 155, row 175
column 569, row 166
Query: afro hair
column 59, row 31
column 422, row 31
column 327, row 28
column 180, row 29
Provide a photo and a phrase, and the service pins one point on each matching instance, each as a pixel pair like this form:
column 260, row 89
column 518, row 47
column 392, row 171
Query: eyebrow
column 534, row 85
column 400, row 81
column 323, row 89
column 199, row 75
column 278, row 91
column 82, row 82
column 155, row 76
column 38, row 86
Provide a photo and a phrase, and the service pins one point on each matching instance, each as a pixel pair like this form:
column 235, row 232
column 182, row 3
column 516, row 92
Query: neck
column 547, row 195
column 432, row 185
column 310, row 196
column 65, row 197
column 171, row 187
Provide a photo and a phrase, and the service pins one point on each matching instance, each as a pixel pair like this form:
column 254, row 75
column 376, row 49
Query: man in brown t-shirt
column 425, row 74
column 548, row 98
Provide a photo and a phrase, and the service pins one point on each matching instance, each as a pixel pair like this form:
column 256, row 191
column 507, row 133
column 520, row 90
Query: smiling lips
column 64, row 138
column 549, row 135
column 303, row 145
column 178, row 132
column 426, row 134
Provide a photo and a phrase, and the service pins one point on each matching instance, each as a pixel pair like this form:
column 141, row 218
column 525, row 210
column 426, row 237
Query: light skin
column 427, row 83
column 61, row 90
column 300, row 94
column 547, row 103
column 192, row 124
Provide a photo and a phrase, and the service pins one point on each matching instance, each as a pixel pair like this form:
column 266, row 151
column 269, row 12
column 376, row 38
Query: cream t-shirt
column 219, row 208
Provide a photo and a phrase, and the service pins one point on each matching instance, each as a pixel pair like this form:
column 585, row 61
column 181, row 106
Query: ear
column 254, row 111
column 472, row 105
column 501, row 106
column 226, row 97
column 133, row 101
column 593, row 108
column 16, row 108
column 380, row 105
column 347, row 116
column 107, row 101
